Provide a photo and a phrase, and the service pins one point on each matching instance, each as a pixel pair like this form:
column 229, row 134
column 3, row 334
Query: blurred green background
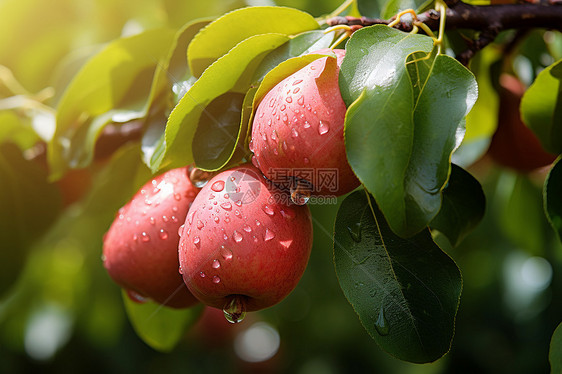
column 60, row 312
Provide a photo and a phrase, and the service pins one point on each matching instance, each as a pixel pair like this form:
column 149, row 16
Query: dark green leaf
column 371, row 8
column 393, row 7
column 555, row 354
column 522, row 217
column 223, row 34
column 444, row 92
column 158, row 326
column 217, row 132
column 463, row 206
column 28, row 207
column 379, row 130
column 231, row 73
column 553, row 198
column 113, row 86
column 405, row 291
column 541, row 107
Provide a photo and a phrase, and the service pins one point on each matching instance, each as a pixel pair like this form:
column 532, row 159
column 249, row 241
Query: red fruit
column 299, row 125
column 241, row 244
column 141, row 247
column 514, row 145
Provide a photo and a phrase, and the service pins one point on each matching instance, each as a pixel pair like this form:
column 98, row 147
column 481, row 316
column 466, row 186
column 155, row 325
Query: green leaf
column 223, row 34
column 405, row 291
column 114, row 85
column 28, row 206
column 370, row 8
column 444, row 93
column 172, row 80
column 300, row 45
column 393, row 7
column 553, row 199
column 158, row 326
column 522, row 218
column 379, row 129
column 463, row 206
column 231, row 73
column 218, row 131
column 555, row 354
column 541, row 108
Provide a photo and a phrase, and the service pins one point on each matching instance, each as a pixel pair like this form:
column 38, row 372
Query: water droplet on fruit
column 216, row 264
column 197, row 241
column 300, row 193
column 287, row 213
column 198, row 177
column 268, row 235
column 200, row 224
column 285, row 118
column 284, row 145
column 237, row 213
column 355, row 232
column 313, row 67
column 226, row 206
column 306, row 160
column 264, row 137
column 247, row 228
column 166, row 219
column 297, row 82
column 238, row 202
column 148, row 202
column 282, row 107
column 255, row 239
column 274, row 136
column 135, row 237
column 218, row 186
column 145, row 237
column 175, row 219
column 136, row 297
column 163, row 234
column 323, row 127
column 180, row 270
column 261, row 114
column 235, row 309
column 226, row 196
column 294, row 133
column 216, row 219
column 177, row 196
column 226, row 253
column 251, row 145
column 300, row 101
column 225, row 237
column 202, row 274
column 275, row 152
column 255, row 162
column 381, row 324
column 152, row 220
column 258, row 223
column 237, row 236
column 268, row 210
column 216, row 279
column 289, row 99
column 180, row 229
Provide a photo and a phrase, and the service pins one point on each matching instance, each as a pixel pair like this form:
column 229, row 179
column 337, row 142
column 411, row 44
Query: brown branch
column 490, row 20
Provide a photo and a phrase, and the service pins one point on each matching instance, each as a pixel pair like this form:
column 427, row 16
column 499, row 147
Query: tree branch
column 490, row 20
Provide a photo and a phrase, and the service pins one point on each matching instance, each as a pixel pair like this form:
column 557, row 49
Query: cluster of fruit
column 239, row 243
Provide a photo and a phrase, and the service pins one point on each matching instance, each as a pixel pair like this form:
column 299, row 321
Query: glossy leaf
column 224, row 33
column 217, row 131
column 555, row 354
column 28, row 207
column 393, row 7
column 300, row 45
column 405, row 291
column 379, row 129
column 230, row 73
column 444, row 92
column 553, row 199
column 113, row 86
column 158, row 326
column 541, row 107
column 172, row 80
column 463, row 206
